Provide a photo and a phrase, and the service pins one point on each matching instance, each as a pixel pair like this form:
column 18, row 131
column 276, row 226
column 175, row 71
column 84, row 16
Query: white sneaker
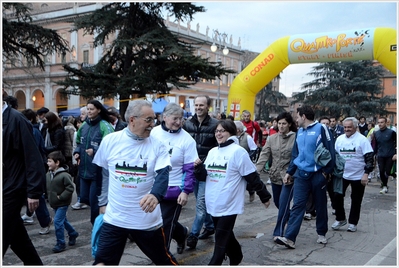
column 79, row 205
column 352, row 228
column 285, row 242
column 384, row 190
column 269, row 182
column 322, row 239
column 27, row 219
column 46, row 229
column 338, row 224
column 307, row 216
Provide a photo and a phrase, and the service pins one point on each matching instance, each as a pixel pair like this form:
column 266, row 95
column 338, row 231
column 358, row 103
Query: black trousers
column 170, row 216
column 225, row 241
column 385, row 166
column 357, row 192
column 14, row 231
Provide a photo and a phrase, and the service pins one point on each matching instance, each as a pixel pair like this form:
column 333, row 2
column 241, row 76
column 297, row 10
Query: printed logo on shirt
column 217, row 172
column 347, row 153
column 130, row 174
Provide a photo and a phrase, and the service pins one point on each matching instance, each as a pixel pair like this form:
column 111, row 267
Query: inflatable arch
column 364, row 44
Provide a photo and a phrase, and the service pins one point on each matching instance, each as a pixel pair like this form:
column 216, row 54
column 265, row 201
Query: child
column 60, row 189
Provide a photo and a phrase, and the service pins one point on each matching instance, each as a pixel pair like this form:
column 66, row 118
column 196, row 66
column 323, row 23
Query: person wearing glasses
column 229, row 170
column 183, row 153
column 88, row 139
column 135, row 179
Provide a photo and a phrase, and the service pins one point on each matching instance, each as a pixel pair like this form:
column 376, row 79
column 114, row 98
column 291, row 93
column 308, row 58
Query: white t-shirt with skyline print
column 225, row 188
column 131, row 165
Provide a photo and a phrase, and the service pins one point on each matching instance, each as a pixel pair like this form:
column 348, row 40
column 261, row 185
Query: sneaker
column 59, row 248
column 192, row 241
column 181, row 246
column 384, row 190
column 206, row 233
column 252, row 197
column 72, row 239
column 285, row 242
column 46, row 229
column 307, row 216
column 333, row 212
column 338, row 224
column 352, row 228
column 27, row 219
column 269, row 182
column 79, row 205
column 322, row 239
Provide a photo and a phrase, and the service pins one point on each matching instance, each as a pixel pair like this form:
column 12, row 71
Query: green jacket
column 59, row 188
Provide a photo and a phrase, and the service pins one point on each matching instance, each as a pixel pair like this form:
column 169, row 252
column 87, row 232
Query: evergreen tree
column 270, row 101
column 350, row 88
column 144, row 58
column 22, row 38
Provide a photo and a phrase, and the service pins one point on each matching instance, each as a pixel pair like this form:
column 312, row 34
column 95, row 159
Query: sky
column 259, row 23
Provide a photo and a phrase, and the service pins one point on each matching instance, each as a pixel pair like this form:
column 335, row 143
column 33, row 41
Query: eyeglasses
column 147, row 120
column 220, row 130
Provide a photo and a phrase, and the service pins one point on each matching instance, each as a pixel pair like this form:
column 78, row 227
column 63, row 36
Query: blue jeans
column 61, row 222
column 201, row 216
column 88, row 195
column 304, row 184
column 285, row 197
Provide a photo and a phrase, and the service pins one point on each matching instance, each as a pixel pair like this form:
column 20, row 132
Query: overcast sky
column 259, row 23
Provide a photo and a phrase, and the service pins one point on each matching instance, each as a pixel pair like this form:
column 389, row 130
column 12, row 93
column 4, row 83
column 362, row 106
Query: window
column 85, row 56
column 394, row 82
column 63, row 57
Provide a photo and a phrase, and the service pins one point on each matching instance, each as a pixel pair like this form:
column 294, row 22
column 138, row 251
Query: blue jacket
column 89, row 136
column 306, row 143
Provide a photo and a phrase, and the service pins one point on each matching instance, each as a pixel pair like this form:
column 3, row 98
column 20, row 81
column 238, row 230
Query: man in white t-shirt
column 135, row 179
column 358, row 155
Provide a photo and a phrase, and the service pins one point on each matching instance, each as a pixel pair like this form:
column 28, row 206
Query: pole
column 218, row 95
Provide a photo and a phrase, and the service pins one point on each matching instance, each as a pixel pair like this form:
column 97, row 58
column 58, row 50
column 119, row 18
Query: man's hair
column 355, row 122
column 229, row 126
column 362, row 117
column 307, row 111
column 239, row 125
column 134, row 108
column 57, row 156
column 31, row 115
column 12, row 101
column 113, row 111
column 208, row 99
column 230, row 117
column 324, row 117
column 172, row 109
column 333, row 117
column 383, row 117
column 42, row 110
column 246, row 112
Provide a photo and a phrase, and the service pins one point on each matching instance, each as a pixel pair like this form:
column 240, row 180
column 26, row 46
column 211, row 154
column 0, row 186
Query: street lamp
column 219, row 39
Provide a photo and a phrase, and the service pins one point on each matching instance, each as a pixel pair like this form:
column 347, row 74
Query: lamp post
column 219, row 39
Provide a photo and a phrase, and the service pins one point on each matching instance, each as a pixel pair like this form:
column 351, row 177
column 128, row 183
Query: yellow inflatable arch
column 364, row 44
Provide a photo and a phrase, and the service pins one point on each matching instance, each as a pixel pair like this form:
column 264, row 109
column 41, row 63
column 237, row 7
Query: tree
column 350, row 88
column 270, row 101
column 144, row 58
column 22, row 38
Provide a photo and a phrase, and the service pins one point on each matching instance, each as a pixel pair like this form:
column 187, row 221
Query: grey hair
column 83, row 109
column 172, row 109
column 134, row 108
column 353, row 119
column 239, row 125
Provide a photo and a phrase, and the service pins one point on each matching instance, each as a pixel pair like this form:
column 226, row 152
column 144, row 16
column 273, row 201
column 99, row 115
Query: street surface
column 374, row 243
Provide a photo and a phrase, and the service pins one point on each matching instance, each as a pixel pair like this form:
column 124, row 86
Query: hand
column 267, row 204
column 76, row 156
column 33, row 204
column 287, row 178
column 90, row 152
column 102, row 209
column 394, row 158
column 148, row 203
column 365, row 179
column 182, row 199
column 197, row 162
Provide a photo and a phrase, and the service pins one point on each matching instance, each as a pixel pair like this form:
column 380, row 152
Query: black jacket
column 203, row 134
column 57, row 137
column 23, row 167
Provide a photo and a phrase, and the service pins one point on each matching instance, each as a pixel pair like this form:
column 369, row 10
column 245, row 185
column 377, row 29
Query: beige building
column 35, row 88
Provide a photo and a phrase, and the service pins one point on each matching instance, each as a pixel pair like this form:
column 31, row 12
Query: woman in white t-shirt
column 229, row 170
column 182, row 150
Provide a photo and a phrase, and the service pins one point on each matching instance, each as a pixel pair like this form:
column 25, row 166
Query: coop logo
column 262, row 64
column 393, row 47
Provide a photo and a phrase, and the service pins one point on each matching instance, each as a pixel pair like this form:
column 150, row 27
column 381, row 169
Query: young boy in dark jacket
column 60, row 189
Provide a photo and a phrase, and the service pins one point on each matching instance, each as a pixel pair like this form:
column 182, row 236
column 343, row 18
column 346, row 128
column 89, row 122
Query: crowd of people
column 140, row 192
